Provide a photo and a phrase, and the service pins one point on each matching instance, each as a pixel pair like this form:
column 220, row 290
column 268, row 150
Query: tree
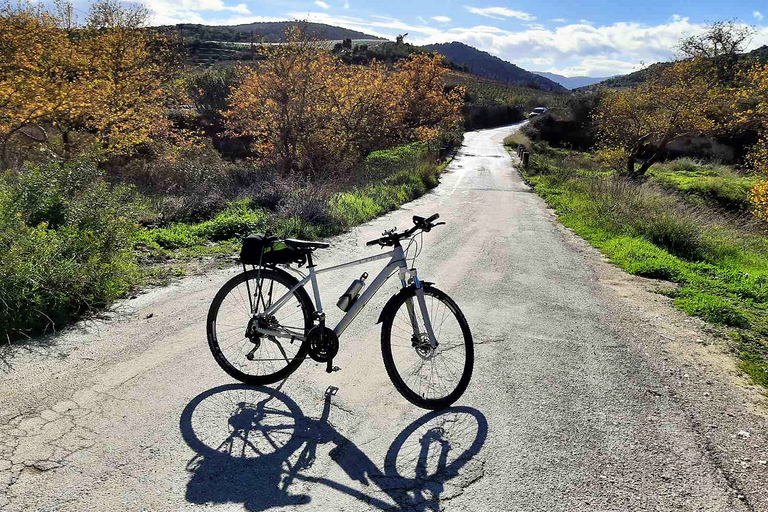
column 719, row 46
column 36, row 63
column 751, row 108
column 722, row 38
column 126, row 77
column 429, row 109
column 108, row 80
column 281, row 104
column 639, row 123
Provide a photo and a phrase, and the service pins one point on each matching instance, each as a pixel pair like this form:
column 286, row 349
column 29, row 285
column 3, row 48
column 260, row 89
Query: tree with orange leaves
column 751, row 108
column 641, row 121
column 107, row 80
column 306, row 112
column 35, row 65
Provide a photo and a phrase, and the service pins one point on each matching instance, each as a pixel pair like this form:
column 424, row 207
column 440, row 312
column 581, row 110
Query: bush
column 188, row 184
column 65, row 246
column 516, row 139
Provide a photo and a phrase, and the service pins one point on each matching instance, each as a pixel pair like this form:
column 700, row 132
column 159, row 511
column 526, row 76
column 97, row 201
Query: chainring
column 323, row 344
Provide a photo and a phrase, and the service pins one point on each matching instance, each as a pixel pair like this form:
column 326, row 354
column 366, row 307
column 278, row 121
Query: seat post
column 310, row 263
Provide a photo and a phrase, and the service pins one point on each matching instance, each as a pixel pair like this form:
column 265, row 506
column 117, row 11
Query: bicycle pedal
column 330, row 369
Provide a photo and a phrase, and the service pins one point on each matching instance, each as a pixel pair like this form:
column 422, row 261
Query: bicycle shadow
column 255, row 446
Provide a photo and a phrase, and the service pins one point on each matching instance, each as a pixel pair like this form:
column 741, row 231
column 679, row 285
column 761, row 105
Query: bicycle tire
column 388, row 318
column 287, row 281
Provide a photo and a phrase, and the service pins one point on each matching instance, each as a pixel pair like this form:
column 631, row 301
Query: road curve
column 564, row 411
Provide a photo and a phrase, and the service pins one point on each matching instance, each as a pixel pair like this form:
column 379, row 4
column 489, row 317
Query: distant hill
column 271, row 32
column 571, row 82
column 638, row 77
column 486, row 65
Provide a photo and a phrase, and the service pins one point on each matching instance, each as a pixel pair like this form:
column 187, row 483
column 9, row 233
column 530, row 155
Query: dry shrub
column 624, row 206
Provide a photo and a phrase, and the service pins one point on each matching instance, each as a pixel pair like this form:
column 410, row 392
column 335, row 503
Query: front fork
column 422, row 307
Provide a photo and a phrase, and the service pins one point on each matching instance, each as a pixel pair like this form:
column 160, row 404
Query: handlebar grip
column 433, row 218
column 372, row 242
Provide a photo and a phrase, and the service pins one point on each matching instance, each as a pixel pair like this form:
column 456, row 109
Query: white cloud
column 758, row 16
column 346, row 5
column 495, row 12
column 559, row 20
column 240, row 9
column 441, row 19
column 169, row 12
column 578, row 48
column 322, row 4
column 479, row 29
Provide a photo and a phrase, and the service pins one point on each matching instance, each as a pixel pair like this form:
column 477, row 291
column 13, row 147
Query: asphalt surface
column 586, row 393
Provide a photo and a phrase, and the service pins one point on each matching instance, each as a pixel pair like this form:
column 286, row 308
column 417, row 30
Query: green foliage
column 720, row 267
column 210, row 89
column 384, row 163
column 65, row 246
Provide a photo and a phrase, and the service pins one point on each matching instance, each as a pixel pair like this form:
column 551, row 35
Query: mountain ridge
column 265, row 31
column 484, row 64
column 572, row 82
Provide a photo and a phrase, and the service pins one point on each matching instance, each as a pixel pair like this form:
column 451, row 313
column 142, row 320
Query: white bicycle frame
column 397, row 263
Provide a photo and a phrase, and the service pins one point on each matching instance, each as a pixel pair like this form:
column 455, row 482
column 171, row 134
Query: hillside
column 571, row 82
column 271, row 32
column 488, row 66
column 638, row 77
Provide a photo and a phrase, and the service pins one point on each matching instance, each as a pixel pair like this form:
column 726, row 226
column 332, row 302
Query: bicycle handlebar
column 420, row 223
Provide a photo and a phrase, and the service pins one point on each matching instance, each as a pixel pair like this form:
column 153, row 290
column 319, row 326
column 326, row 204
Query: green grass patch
column 704, row 183
column 721, row 269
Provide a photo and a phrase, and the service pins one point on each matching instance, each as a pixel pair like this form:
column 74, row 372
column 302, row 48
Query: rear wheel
column 432, row 378
column 236, row 312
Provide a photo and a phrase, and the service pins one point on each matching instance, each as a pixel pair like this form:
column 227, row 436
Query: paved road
column 565, row 410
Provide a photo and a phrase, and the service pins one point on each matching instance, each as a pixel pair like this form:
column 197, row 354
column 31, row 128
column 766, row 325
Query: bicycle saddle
column 305, row 245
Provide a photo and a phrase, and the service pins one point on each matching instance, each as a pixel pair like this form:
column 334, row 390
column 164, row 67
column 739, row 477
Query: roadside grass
column 71, row 243
column 518, row 139
column 719, row 261
column 400, row 175
column 705, row 184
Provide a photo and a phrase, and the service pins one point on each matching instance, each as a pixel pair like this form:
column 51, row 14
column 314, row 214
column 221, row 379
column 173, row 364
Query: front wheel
column 432, row 378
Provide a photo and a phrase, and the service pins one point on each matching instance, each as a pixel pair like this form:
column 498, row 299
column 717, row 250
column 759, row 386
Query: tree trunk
column 631, row 165
column 67, row 140
column 4, row 164
column 651, row 160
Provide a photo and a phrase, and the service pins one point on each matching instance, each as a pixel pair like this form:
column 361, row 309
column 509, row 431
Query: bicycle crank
column 323, row 344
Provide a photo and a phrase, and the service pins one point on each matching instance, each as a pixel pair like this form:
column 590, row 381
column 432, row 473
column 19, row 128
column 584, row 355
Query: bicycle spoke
column 259, row 355
column 429, row 373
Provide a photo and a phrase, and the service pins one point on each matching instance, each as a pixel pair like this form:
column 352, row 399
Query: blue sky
column 596, row 38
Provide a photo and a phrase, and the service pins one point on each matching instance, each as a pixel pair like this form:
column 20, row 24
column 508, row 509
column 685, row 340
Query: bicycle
column 266, row 338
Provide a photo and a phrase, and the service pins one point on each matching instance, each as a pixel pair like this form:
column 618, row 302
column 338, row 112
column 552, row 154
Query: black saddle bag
column 266, row 251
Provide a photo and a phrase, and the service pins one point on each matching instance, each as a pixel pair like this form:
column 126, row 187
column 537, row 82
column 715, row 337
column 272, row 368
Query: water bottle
column 352, row 293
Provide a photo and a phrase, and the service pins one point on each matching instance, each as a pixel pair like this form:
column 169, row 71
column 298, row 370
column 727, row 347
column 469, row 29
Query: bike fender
column 390, row 305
